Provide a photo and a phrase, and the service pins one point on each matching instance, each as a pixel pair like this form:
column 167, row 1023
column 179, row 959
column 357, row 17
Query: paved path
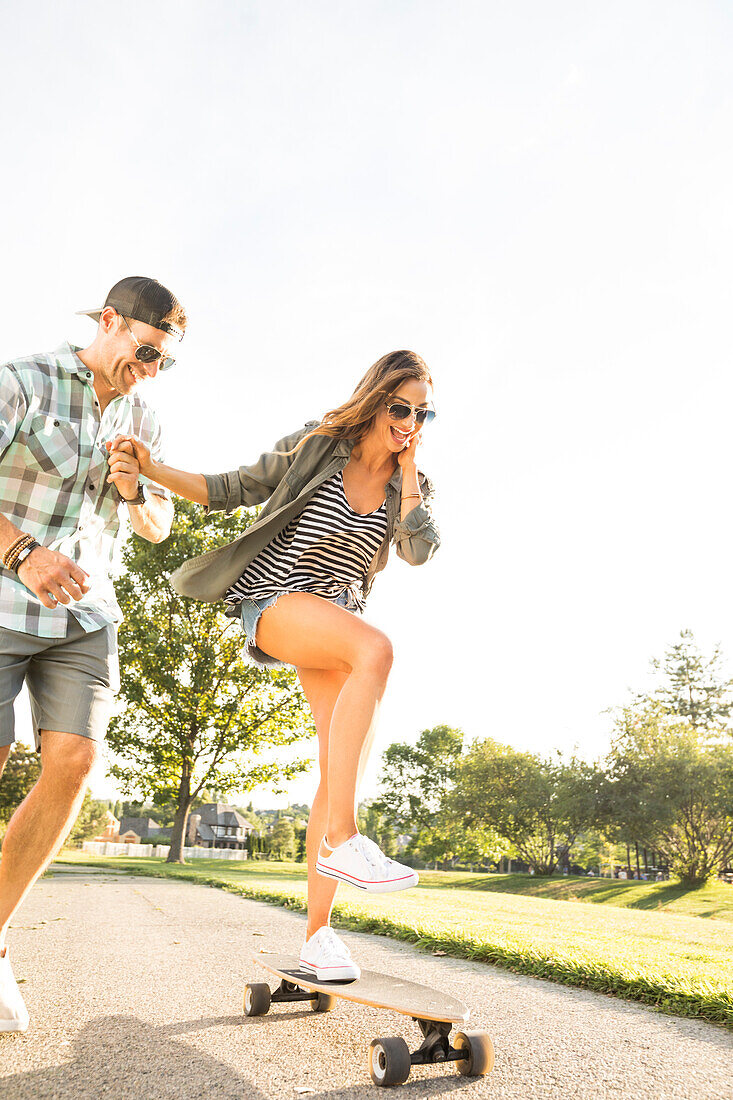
column 135, row 989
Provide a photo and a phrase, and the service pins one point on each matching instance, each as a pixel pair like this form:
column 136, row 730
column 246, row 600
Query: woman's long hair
column 355, row 417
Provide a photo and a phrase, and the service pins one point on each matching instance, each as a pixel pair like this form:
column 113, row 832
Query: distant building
column 218, row 826
column 143, row 826
column 111, row 829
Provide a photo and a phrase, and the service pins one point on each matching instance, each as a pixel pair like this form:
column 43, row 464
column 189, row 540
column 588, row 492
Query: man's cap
column 142, row 299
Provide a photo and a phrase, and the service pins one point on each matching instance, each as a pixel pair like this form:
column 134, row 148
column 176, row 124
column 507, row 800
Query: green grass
column 714, row 899
column 676, row 962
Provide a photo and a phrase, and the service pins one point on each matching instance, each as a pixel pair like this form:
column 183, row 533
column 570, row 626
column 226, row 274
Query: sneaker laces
column 332, row 947
column 372, row 853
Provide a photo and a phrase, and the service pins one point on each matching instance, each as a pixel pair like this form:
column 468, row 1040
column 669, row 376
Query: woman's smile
column 400, row 437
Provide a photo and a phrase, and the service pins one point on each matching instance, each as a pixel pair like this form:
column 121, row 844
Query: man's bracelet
column 24, row 553
column 410, row 496
column 14, row 549
column 18, row 551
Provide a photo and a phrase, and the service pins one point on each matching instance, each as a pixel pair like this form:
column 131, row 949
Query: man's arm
column 151, row 520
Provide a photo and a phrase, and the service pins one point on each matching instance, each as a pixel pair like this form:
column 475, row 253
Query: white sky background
column 534, row 196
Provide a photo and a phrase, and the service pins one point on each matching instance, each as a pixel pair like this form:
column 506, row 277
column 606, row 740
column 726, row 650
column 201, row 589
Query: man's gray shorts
column 72, row 681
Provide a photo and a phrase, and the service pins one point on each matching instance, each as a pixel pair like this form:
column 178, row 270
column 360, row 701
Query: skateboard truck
column 390, row 1059
column 435, row 1046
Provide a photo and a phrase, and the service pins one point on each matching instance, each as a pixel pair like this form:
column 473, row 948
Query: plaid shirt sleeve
column 13, row 406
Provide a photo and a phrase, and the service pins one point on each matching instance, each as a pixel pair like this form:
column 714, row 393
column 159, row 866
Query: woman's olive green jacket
column 287, row 482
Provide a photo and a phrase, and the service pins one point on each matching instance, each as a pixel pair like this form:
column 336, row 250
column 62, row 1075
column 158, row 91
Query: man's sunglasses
column 146, row 353
column 400, row 410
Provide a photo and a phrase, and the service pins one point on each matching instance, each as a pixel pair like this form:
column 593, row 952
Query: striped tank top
column 326, row 550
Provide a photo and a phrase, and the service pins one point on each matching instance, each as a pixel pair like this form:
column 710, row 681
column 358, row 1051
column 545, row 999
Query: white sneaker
column 13, row 1013
column 328, row 957
column 362, row 863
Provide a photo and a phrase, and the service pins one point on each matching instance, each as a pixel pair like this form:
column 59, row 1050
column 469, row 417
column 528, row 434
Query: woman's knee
column 375, row 653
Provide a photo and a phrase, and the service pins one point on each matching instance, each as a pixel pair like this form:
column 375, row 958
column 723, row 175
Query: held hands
column 127, row 456
column 53, row 577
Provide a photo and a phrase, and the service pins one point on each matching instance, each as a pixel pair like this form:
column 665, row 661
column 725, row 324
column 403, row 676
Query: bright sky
column 534, row 197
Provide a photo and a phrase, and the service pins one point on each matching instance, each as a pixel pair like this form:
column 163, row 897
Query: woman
column 338, row 493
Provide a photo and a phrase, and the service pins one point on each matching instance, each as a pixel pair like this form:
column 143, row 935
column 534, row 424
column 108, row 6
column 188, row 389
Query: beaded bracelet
column 11, row 554
column 25, row 553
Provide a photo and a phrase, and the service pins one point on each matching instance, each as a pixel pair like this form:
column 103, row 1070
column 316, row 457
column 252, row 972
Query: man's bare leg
column 44, row 818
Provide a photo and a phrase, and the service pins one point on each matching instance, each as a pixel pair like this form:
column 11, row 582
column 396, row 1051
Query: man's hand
column 139, row 450
column 53, row 577
column 124, row 468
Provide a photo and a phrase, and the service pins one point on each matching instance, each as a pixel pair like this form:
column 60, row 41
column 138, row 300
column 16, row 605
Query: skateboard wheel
column 323, row 1002
column 389, row 1062
column 256, row 999
column 480, row 1053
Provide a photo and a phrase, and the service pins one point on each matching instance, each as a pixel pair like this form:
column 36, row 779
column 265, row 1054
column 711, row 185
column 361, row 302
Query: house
column 111, row 829
column 217, row 826
column 143, row 826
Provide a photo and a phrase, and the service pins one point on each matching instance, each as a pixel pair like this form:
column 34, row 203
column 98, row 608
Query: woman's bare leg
column 312, row 633
column 321, row 689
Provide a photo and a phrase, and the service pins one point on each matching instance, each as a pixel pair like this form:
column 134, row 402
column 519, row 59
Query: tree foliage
column 538, row 806
column 416, row 778
column 21, row 771
column 693, row 686
column 197, row 714
column 282, row 840
column 90, row 821
column 670, row 789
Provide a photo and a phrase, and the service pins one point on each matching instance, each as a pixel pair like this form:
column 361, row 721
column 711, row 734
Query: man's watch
column 141, row 496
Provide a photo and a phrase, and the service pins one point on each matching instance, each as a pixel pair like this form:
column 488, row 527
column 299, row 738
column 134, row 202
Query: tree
column 22, row 769
column 693, row 686
column 417, row 777
column 90, row 821
column 537, row 806
column 446, row 840
column 375, row 823
column 671, row 790
column 282, row 840
column 197, row 713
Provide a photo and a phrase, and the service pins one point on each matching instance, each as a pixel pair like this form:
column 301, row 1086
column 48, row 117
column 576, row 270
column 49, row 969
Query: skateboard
column 390, row 1059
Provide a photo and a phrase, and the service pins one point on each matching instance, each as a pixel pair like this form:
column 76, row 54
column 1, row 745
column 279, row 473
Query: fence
column 107, row 848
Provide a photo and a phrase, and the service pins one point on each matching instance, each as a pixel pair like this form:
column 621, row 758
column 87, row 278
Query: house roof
column 218, row 813
column 138, row 823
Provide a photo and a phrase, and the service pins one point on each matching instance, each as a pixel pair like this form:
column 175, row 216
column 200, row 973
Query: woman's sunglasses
column 146, row 353
column 400, row 410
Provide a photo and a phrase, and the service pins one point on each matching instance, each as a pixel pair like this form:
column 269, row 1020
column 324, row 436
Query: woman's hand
column 135, row 447
column 406, row 457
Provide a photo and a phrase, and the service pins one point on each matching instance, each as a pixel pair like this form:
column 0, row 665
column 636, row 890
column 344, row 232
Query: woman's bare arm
column 191, row 486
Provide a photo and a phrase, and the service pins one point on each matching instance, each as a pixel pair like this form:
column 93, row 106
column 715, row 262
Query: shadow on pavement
column 123, row 1058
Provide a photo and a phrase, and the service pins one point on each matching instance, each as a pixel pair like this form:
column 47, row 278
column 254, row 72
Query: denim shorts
column 250, row 610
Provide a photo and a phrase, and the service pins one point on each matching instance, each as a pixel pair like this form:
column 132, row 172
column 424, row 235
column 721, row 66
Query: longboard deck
column 376, row 990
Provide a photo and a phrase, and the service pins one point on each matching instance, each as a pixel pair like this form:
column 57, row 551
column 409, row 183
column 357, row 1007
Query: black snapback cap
column 142, row 299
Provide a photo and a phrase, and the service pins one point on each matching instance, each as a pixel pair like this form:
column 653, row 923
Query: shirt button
column 91, row 487
column 55, row 423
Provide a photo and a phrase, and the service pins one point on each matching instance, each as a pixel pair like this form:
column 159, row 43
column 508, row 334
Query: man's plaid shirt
column 53, row 481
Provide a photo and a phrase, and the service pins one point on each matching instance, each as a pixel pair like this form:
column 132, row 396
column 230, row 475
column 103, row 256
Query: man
column 63, row 490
